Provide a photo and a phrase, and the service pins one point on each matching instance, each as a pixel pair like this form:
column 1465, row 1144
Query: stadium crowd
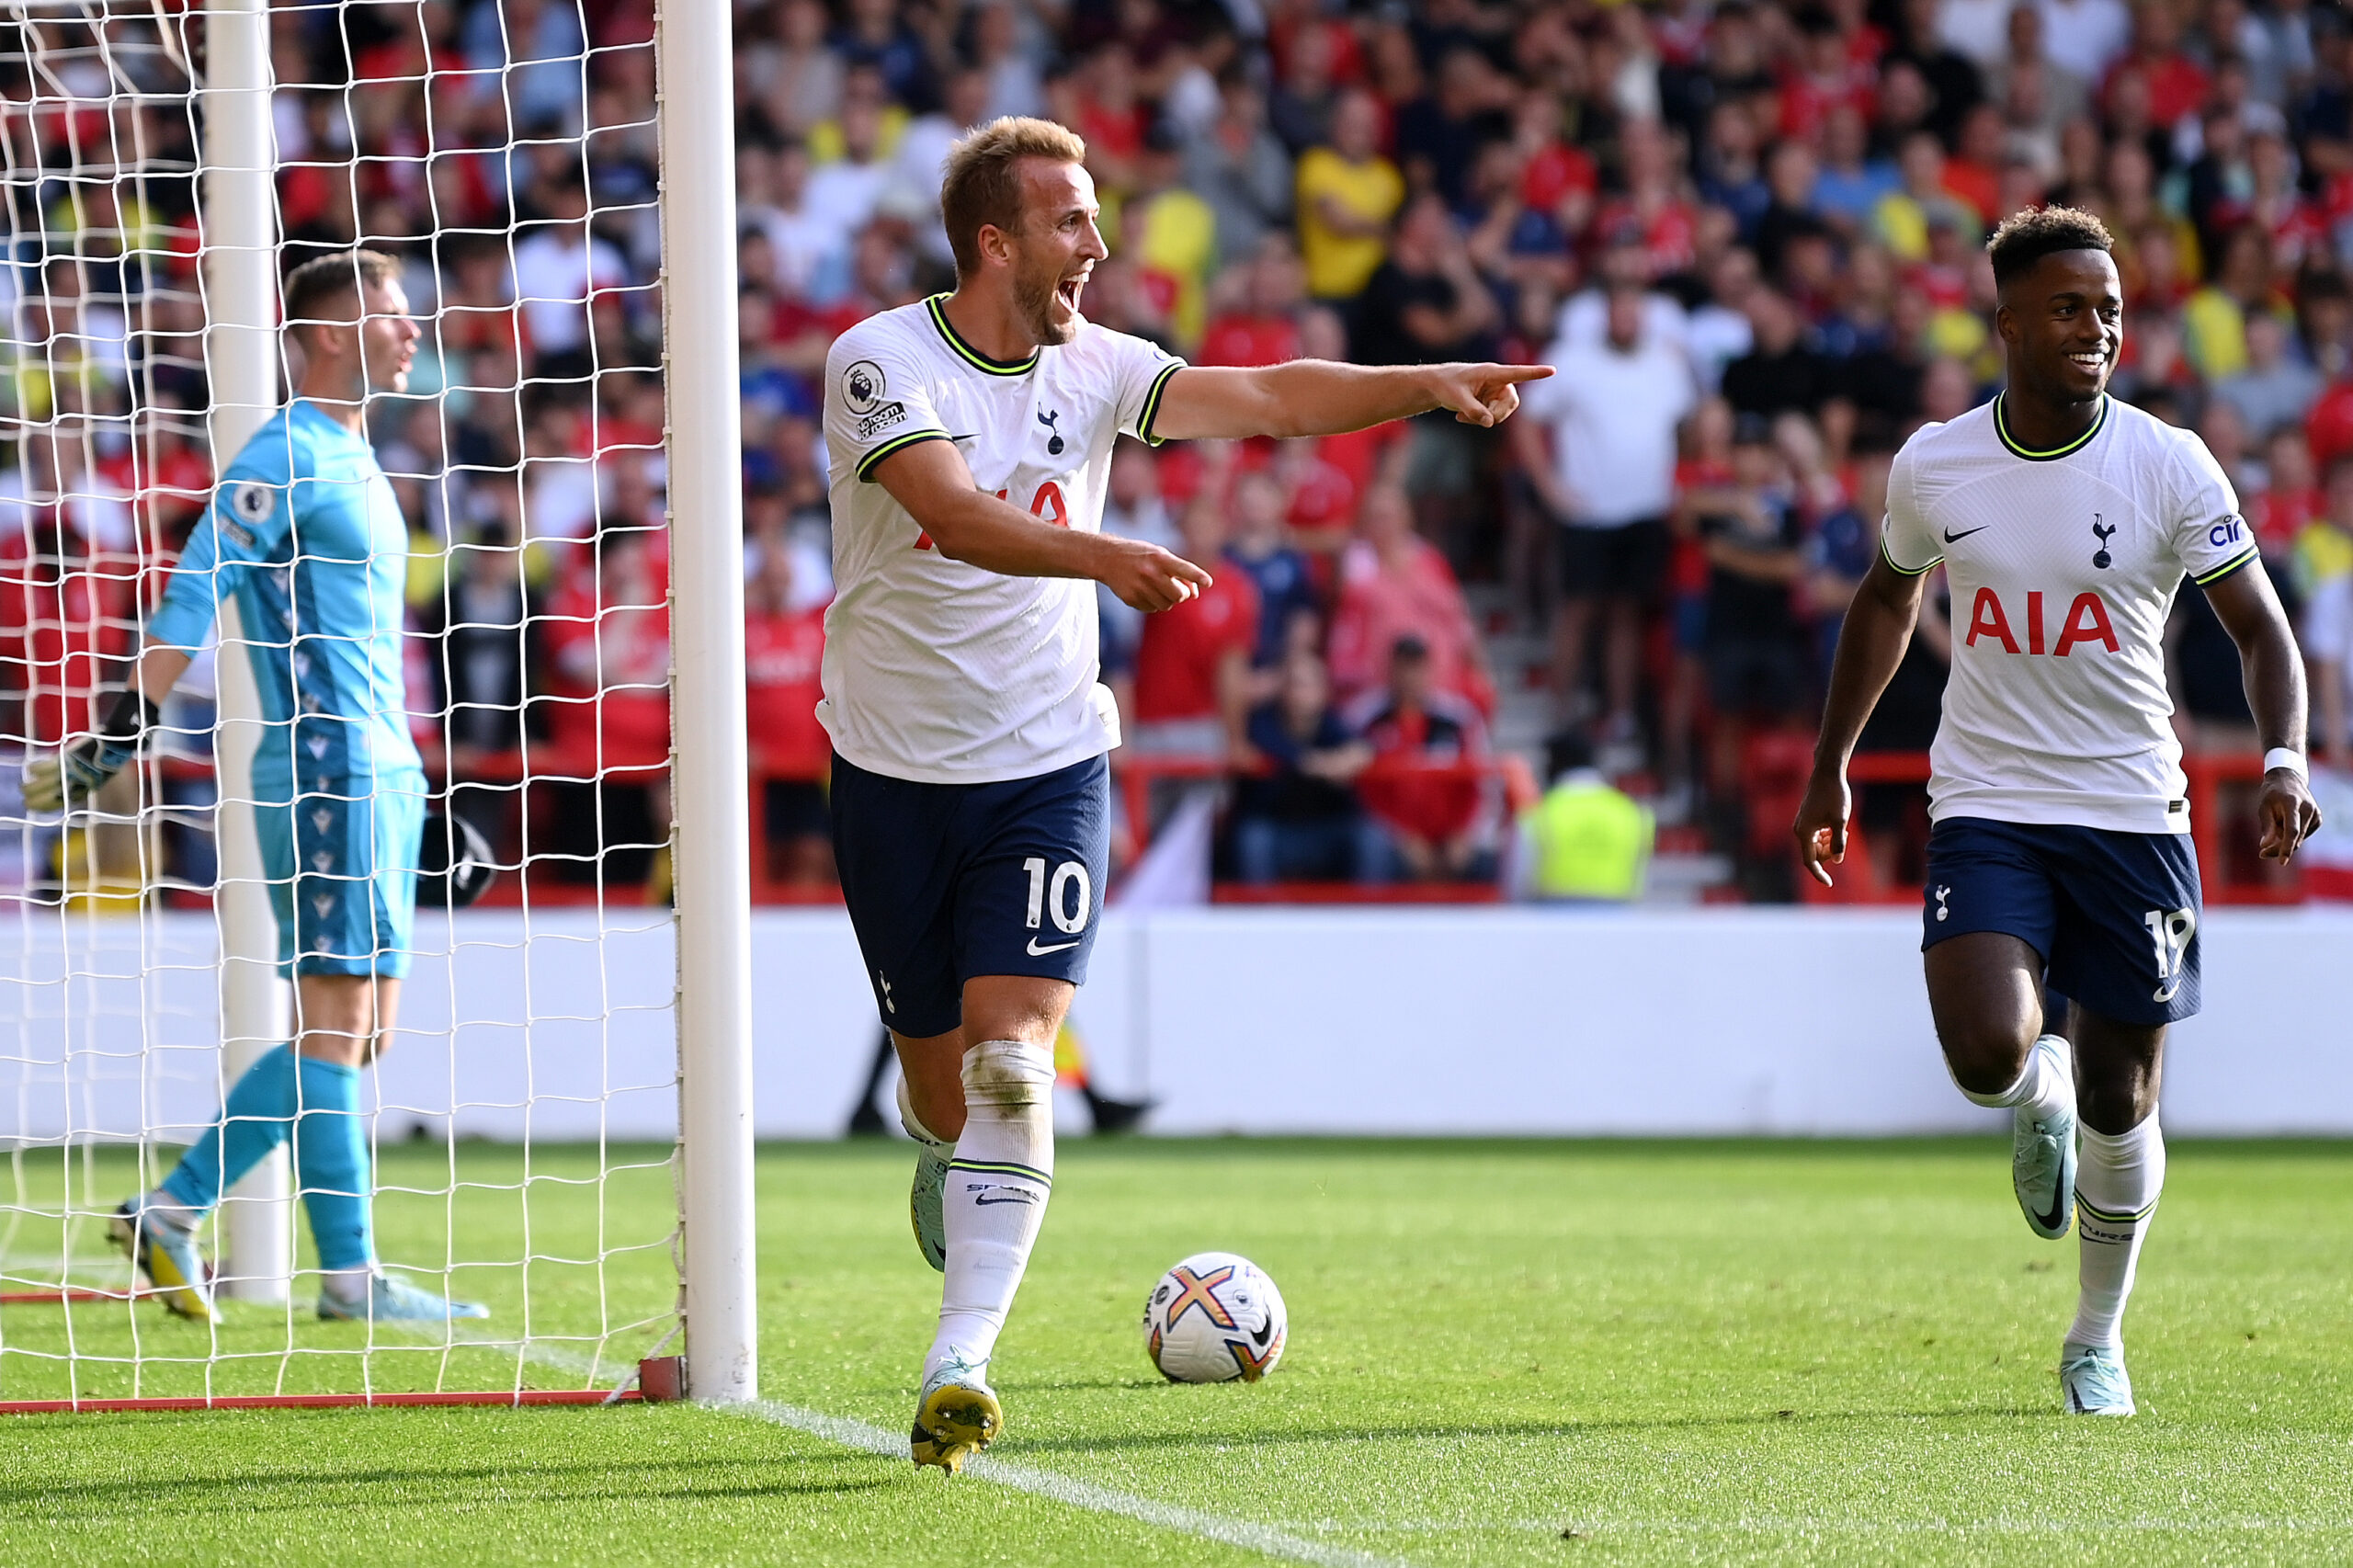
column 1746, row 233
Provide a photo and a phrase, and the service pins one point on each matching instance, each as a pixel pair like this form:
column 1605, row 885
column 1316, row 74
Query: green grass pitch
column 1673, row 1352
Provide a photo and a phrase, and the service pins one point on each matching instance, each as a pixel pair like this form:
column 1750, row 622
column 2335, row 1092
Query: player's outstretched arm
column 1322, row 397
column 2274, row 672
column 966, row 524
column 1872, row 641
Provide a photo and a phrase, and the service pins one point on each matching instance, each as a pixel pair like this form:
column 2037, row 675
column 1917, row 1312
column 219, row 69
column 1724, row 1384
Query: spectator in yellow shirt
column 1347, row 193
column 1171, row 234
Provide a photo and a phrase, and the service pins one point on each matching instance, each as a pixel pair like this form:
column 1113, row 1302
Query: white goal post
column 694, row 53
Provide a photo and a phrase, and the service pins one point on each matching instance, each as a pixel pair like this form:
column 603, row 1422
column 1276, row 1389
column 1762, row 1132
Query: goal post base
column 661, row 1378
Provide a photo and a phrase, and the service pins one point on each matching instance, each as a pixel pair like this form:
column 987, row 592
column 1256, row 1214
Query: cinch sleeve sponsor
column 1906, row 539
column 252, row 510
column 2209, row 534
column 876, row 401
column 1140, row 373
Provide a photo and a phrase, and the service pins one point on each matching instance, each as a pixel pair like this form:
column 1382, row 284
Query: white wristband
column 2286, row 758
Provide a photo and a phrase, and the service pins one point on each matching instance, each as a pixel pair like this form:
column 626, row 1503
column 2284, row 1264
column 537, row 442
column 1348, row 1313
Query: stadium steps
column 1683, row 870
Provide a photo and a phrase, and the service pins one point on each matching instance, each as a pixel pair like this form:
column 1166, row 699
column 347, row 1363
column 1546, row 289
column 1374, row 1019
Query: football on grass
column 1213, row 1318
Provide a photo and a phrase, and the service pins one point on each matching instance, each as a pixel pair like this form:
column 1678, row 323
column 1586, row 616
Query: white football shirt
column 2063, row 567
column 940, row 672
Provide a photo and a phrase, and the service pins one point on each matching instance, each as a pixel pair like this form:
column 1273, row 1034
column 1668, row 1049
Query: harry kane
column 970, row 438
column 2060, row 854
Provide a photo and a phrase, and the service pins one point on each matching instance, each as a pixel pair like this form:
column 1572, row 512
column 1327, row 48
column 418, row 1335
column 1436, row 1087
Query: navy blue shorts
column 948, row 882
column 2113, row 914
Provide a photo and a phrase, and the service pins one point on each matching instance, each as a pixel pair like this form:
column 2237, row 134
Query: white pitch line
column 1045, row 1483
column 1073, row 1493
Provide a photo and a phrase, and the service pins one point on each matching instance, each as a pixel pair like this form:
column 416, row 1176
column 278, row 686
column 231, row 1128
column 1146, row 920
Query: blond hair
column 982, row 185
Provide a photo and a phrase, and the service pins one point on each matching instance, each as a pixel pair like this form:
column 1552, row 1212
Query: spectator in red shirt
column 783, row 650
column 2175, row 84
column 608, row 639
column 1193, row 667
column 1395, row 583
column 1420, row 735
column 1265, row 329
column 2291, row 500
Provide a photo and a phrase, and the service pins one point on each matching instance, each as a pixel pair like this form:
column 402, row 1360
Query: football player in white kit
column 2060, row 852
column 970, row 438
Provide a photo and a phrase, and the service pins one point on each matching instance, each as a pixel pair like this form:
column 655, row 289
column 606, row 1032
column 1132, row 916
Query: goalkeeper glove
column 81, row 769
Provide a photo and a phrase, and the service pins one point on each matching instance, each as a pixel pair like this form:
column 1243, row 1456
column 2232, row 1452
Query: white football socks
column 998, row 1186
column 2118, row 1178
column 2041, row 1088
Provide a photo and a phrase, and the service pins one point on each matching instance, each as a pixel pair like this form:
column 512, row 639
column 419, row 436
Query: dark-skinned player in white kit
column 970, row 438
column 2060, row 853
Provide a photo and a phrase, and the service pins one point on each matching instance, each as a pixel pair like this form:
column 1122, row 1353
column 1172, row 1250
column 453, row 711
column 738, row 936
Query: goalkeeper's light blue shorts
column 342, row 865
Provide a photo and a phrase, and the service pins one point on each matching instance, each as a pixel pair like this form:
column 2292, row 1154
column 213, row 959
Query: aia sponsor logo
column 1047, row 506
column 2086, row 623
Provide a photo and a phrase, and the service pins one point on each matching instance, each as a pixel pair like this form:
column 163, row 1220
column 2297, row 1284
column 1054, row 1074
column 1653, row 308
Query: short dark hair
column 1567, row 751
column 2027, row 237
column 323, row 279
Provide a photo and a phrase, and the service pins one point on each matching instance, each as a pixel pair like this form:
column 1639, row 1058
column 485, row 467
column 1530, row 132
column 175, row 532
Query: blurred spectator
column 2085, row 37
column 1397, row 585
column 1171, row 235
column 559, row 268
column 1279, row 573
column 784, row 647
column 795, row 76
column 1611, row 412
column 1751, row 531
column 1780, row 373
column 1260, row 326
column 2214, row 318
column 1347, row 193
column 2273, row 391
column 1240, row 168
column 1849, row 182
column 1193, row 664
column 489, row 645
column 1586, row 841
column 1421, row 784
column 1296, row 818
column 1424, row 303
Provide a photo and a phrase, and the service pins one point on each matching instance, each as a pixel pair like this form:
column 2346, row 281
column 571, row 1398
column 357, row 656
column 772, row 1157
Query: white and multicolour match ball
column 1213, row 1318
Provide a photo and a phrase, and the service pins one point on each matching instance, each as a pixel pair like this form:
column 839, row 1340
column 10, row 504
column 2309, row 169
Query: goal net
column 522, row 1126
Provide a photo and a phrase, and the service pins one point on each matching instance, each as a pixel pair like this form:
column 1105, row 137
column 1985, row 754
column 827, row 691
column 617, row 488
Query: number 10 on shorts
column 1054, row 897
column 2169, row 930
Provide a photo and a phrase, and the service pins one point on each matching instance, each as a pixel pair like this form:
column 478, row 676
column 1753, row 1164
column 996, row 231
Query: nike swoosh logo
column 1265, row 1334
column 2165, row 993
column 985, row 1199
column 1953, row 538
column 1038, row 952
column 2058, row 1209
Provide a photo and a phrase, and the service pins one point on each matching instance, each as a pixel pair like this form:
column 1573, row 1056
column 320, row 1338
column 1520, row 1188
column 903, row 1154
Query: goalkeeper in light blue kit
column 305, row 535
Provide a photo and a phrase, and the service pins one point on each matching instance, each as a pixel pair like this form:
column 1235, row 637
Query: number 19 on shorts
column 2169, row 932
column 1068, row 896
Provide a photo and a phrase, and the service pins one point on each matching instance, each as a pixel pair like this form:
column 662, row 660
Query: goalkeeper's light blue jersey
column 304, row 532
